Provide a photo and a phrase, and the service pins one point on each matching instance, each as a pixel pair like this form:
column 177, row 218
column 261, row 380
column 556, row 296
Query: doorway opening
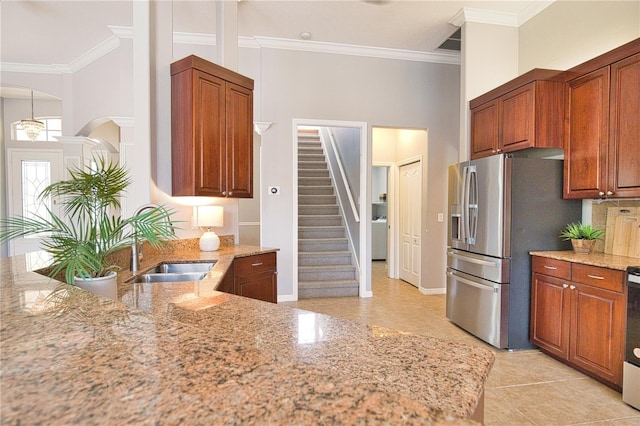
column 403, row 152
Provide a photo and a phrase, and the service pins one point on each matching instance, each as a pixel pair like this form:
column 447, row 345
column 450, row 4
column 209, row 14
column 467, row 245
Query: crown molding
column 113, row 42
column 322, row 47
column 33, row 68
column 468, row 14
column 355, row 50
column 194, row 38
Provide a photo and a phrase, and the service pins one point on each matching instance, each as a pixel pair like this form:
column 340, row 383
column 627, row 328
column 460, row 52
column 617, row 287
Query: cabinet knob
column 499, row 150
column 224, row 193
column 609, row 193
column 230, row 193
column 572, row 287
column 601, row 194
column 494, row 151
column 565, row 285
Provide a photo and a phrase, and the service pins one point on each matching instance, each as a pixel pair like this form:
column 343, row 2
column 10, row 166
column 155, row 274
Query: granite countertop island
column 185, row 353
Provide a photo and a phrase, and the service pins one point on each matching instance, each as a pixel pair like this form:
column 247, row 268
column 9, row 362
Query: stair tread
column 328, row 283
column 324, row 253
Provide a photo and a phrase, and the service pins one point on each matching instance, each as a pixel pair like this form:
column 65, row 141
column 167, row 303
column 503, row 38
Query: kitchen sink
column 168, row 267
column 167, row 277
column 175, row 272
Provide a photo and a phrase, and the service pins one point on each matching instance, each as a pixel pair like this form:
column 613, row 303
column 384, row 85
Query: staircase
column 325, row 267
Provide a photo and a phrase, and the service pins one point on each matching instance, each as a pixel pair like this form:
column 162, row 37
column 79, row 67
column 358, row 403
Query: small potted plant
column 583, row 237
column 87, row 232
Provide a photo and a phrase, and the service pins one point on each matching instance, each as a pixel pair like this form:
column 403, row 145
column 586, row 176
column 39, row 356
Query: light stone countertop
column 594, row 259
column 186, row 353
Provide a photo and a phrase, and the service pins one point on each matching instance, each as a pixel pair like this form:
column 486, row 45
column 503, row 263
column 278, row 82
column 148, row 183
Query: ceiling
column 59, row 32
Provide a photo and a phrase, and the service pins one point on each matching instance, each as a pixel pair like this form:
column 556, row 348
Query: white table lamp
column 209, row 217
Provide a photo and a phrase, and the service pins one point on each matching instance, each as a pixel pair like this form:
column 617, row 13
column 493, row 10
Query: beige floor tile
column 523, row 388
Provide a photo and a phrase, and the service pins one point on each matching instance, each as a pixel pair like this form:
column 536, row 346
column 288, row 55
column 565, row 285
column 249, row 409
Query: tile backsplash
column 599, row 214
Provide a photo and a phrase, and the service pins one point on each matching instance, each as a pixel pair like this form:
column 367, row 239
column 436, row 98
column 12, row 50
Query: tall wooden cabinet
column 526, row 112
column 602, row 155
column 211, row 130
column 578, row 315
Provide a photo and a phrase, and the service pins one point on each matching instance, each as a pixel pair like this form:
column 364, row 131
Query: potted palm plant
column 88, row 231
column 583, row 237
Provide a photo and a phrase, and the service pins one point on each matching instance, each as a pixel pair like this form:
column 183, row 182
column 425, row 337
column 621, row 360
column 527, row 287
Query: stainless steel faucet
column 136, row 246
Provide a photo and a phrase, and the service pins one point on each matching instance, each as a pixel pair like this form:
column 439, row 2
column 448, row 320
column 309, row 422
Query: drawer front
column 254, row 264
column 552, row 267
column 609, row 279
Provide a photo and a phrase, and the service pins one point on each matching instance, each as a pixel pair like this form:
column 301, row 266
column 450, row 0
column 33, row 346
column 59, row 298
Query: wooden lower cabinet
column 254, row 276
column 578, row 316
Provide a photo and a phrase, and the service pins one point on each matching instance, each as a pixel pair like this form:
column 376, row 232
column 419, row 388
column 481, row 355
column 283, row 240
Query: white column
column 227, row 33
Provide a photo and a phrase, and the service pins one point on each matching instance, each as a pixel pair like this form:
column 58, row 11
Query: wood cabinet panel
column 624, row 137
column 595, row 276
column 527, row 112
column 602, row 158
column 484, row 130
column 253, row 276
column 552, row 267
column 580, row 323
column 518, row 118
column 587, row 135
column 550, row 304
column 597, row 323
column 211, row 130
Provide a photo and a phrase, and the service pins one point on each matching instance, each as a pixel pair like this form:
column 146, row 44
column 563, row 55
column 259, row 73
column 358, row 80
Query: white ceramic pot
column 103, row 286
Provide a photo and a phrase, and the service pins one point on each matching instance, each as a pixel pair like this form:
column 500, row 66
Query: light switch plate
column 440, row 217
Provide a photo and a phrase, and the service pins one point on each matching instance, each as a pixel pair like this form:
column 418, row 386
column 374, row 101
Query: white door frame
column 391, row 214
column 364, row 205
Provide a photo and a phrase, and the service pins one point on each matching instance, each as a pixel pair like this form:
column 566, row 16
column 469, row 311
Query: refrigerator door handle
column 471, row 283
column 472, row 204
column 472, row 260
column 465, row 205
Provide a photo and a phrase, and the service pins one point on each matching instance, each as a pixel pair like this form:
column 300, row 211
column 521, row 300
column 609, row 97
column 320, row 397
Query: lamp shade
column 210, row 216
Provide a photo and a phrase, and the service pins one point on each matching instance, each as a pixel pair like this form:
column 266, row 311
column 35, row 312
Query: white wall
column 381, row 92
column 567, row 33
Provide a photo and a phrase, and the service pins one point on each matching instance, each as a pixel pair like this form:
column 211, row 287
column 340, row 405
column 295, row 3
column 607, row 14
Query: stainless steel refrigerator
column 500, row 208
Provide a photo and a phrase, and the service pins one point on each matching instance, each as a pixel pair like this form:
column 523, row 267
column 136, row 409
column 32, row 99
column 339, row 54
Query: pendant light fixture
column 32, row 127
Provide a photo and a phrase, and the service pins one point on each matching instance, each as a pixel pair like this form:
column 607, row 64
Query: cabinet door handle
column 572, row 287
column 595, row 277
column 565, row 285
column 257, row 264
column 553, row 268
column 609, row 193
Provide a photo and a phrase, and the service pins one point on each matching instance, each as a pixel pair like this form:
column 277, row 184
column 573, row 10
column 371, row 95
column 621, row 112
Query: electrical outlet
column 274, row 190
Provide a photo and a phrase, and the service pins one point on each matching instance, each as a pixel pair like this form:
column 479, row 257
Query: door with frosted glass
column 29, row 171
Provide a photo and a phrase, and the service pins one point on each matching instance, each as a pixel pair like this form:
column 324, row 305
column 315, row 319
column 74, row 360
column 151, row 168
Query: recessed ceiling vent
column 453, row 42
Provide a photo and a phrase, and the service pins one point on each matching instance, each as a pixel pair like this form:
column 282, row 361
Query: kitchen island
column 169, row 353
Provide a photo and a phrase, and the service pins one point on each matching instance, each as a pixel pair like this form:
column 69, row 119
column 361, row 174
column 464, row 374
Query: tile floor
column 523, row 388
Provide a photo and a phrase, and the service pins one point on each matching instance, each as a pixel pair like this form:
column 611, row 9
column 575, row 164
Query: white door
column 410, row 204
column 29, row 171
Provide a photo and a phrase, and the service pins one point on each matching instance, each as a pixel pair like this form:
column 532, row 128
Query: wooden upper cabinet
column 624, row 129
column 484, row 130
column 211, row 130
column 587, row 135
column 527, row 112
column 602, row 151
